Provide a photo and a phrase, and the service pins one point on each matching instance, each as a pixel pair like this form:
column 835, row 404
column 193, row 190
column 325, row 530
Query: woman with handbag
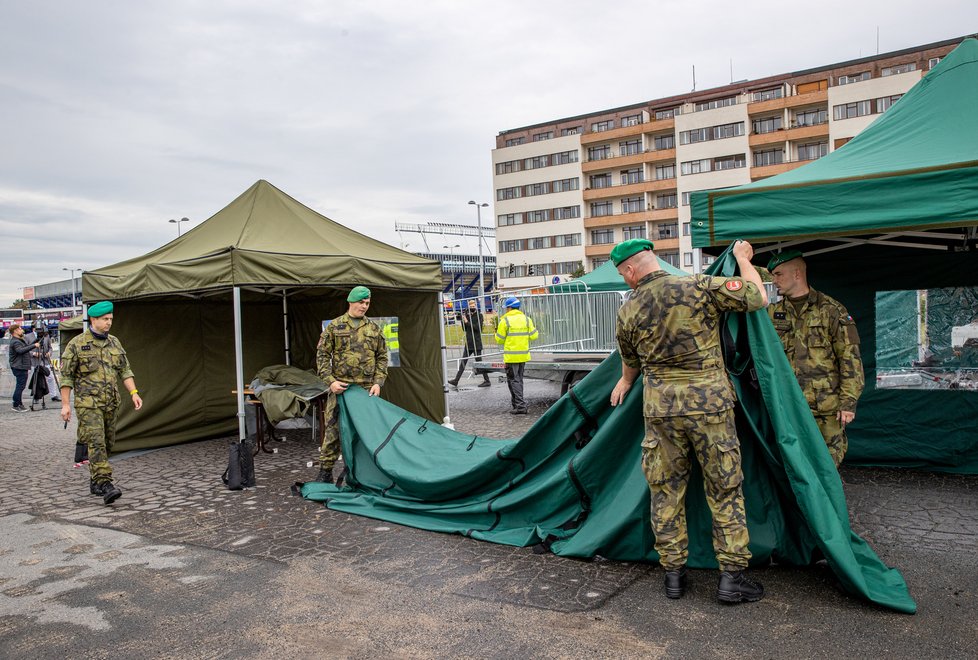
column 42, row 380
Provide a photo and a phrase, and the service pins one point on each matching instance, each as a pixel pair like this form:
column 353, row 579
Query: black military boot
column 736, row 587
column 93, row 487
column 109, row 492
column 325, row 476
column 675, row 583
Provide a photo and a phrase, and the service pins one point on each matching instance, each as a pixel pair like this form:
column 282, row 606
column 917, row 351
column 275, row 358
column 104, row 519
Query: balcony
column 615, row 219
column 764, row 171
column 795, row 101
column 617, row 162
column 781, row 135
column 602, row 250
column 628, row 131
column 628, row 189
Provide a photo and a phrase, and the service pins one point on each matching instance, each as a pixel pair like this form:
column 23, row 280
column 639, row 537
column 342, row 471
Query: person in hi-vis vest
column 515, row 331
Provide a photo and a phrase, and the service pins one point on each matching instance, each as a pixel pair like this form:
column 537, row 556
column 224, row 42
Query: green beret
column 629, row 248
column 100, row 309
column 782, row 257
column 358, row 293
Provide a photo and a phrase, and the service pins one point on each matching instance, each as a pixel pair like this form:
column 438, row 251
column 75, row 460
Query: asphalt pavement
column 182, row 567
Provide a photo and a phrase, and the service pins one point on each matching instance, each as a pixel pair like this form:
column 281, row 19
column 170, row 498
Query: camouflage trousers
column 96, row 428
column 666, row 461
column 329, row 451
column 834, row 435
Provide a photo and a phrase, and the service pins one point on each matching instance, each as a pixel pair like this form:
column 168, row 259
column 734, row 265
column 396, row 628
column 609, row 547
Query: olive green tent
column 603, row 278
column 248, row 288
column 894, row 209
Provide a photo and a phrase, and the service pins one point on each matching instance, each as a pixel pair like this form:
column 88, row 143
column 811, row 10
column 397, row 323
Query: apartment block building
column 568, row 190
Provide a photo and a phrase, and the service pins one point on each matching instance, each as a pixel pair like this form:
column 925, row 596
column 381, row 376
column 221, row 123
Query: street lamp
column 73, row 304
column 451, row 248
column 482, row 266
column 177, row 223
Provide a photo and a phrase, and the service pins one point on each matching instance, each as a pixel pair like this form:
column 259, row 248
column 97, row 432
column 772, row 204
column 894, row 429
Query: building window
column 601, row 209
column 570, row 131
column 599, row 153
column 630, row 148
column 730, row 162
column 768, row 157
column 686, row 229
column 598, row 261
column 812, row 150
column 602, row 236
column 665, row 172
column 563, row 185
column 767, row 124
column 567, row 240
column 696, row 166
column 542, row 188
column 665, row 142
column 601, row 180
column 510, row 219
column 686, row 197
column 668, row 230
column 635, row 231
column 853, row 78
column 565, row 157
column 671, row 258
column 512, row 142
column 631, row 120
column 667, row 113
column 508, row 167
column 712, row 133
column 546, row 135
column 932, row 62
column 538, row 216
column 536, row 162
column 666, row 201
column 509, row 193
column 811, row 117
column 566, row 212
column 631, row 205
column 899, row 68
column 850, row 110
column 630, row 176
column 767, row 95
column 600, row 126
column 883, row 104
column 716, row 103
column 687, row 259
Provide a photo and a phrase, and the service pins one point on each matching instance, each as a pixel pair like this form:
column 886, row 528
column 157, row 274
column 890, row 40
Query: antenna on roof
column 731, row 70
column 877, row 39
column 694, row 77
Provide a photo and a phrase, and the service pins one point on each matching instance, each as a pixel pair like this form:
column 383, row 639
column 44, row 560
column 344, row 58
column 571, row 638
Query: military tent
column 603, row 278
column 893, row 210
column 264, row 272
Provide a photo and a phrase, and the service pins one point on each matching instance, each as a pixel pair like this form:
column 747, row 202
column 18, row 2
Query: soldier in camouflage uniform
column 670, row 330
column 92, row 364
column 822, row 344
column 351, row 351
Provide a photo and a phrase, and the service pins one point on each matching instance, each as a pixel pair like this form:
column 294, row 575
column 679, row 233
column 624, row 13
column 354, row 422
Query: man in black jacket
column 20, row 363
column 472, row 327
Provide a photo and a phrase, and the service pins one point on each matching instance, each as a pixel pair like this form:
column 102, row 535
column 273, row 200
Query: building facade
column 568, row 190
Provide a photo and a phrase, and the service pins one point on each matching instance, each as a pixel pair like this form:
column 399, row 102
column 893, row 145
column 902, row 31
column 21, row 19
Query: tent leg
column 239, row 363
column 285, row 324
column 444, row 357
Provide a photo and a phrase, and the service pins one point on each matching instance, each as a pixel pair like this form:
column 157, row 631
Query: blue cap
column 512, row 302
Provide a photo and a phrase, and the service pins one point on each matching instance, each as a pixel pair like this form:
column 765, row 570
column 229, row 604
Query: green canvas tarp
column 293, row 268
column 914, row 168
column 574, row 480
column 865, row 217
column 603, row 278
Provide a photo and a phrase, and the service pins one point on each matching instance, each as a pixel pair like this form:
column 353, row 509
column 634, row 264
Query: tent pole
column 285, row 324
column 239, row 363
column 444, row 355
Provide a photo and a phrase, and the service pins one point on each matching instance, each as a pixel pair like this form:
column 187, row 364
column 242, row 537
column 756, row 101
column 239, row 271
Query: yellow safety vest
column 515, row 331
column 390, row 334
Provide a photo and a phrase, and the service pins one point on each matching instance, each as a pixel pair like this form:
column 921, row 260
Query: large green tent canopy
column 891, row 213
column 603, row 278
column 265, row 270
column 914, row 168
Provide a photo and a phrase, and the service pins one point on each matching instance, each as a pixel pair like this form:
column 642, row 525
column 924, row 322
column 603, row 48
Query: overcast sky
column 117, row 116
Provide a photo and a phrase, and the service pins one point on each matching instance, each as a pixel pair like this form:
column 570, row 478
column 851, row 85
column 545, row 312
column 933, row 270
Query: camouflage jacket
column 670, row 328
column 822, row 345
column 352, row 355
column 93, row 367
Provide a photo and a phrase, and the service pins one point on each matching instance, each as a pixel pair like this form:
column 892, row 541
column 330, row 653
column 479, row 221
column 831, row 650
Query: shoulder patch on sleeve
column 733, row 285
